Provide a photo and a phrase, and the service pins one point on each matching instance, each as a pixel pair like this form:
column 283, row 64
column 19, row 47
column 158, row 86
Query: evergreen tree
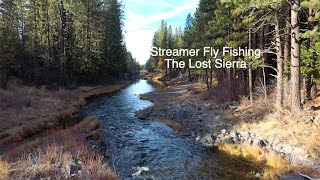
column 114, row 59
column 9, row 41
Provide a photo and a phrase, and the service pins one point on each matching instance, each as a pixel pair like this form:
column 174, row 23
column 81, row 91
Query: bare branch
column 268, row 66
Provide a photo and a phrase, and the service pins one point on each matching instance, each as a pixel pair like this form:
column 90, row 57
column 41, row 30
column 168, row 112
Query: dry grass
column 292, row 133
column 87, row 125
column 154, row 77
column 256, row 153
column 175, row 126
column 61, row 154
column 4, row 169
column 26, row 111
column 262, row 119
column 88, row 92
column 274, row 164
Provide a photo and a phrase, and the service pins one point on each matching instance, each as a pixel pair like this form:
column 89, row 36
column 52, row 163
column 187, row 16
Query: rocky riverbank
column 192, row 111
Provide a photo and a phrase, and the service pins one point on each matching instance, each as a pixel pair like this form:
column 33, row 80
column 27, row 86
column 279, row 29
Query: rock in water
column 140, row 170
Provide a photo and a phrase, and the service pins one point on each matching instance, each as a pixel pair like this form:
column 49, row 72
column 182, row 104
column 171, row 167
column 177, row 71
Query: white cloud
column 139, row 27
column 136, row 21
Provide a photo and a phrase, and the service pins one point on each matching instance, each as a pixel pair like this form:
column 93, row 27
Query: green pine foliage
column 63, row 41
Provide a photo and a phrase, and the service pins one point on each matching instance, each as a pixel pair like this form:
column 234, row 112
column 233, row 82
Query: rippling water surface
column 153, row 147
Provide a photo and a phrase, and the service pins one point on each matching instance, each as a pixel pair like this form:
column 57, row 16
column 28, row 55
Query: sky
column 143, row 18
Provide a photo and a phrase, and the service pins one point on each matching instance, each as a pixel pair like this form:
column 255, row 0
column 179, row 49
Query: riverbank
column 35, row 141
column 283, row 143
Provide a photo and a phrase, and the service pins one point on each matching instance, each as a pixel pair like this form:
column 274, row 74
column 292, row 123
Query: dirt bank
column 183, row 105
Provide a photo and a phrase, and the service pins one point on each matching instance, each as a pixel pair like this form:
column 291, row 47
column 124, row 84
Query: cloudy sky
column 143, row 18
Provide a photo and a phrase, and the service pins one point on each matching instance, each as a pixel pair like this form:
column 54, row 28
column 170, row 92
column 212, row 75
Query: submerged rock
column 140, row 171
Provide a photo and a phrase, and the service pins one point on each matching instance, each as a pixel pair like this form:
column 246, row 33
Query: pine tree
column 9, row 41
column 189, row 37
column 310, row 47
column 114, row 60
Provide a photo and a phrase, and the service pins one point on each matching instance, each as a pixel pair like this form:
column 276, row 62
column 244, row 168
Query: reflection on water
column 164, row 154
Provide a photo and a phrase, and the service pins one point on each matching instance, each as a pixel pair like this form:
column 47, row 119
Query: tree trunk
column 166, row 70
column 235, row 88
column 4, row 81
column 295, row 58
column 211, row 77
column 262, row 74
column 63, row 55
column 207, row 79
column 35, row 43
column 250, row 73
column 230, row 84
column 279, row 96
column 206, row 74
column 286, row 59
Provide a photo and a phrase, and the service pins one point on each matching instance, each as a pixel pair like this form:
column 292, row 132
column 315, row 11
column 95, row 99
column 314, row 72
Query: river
column 154, row 148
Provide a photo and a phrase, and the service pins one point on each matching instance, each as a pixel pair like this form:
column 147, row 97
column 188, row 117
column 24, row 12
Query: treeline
column 286, row 32
column 63, row 42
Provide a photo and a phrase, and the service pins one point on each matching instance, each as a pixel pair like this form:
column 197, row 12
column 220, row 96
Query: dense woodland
column 286, row 31
column 63, row 42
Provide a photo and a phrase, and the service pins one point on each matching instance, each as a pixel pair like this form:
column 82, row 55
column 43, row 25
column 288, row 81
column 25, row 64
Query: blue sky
column 143, row 18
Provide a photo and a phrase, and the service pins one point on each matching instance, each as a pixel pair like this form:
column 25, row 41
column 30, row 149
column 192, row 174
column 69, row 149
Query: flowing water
column 152, row 150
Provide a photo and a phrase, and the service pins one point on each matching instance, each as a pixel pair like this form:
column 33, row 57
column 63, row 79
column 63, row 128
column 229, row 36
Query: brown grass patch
column 4, row 168
column 53, row 155
column 95, row 91
column 275, row 164
column 25, row 111
column 175, row 126
column 287, row 129
column 87, row 125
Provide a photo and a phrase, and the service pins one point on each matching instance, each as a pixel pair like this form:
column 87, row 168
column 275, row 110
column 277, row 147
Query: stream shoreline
column 180, row 107
column 54, row 135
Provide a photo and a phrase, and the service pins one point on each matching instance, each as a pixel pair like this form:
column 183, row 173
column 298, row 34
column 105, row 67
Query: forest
column 51, row 42
column 286, row 32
